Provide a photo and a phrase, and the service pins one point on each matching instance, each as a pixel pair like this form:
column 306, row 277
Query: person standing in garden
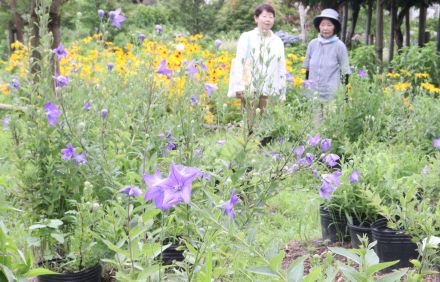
column 326, row 63
column 259, row 68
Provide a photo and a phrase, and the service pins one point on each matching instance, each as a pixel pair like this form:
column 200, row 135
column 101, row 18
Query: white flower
column 180, row 47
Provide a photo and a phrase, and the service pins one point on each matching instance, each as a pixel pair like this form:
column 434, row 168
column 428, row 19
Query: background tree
column 379, row 29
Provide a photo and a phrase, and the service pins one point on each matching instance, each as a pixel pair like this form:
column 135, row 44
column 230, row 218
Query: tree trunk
column 422, row 24
column 55, row 28
column 379, row 30
column 393, row 12
column 438, row 34
column 407, row 28
column 344, row 22
column 11, row 35
column 18, row 22
column 369, row 17
column 35, row 42
column 303, row 20
column 354, row 17
column 398, row 27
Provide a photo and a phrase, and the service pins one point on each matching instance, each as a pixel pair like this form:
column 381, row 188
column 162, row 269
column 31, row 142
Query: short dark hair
column 264, row 7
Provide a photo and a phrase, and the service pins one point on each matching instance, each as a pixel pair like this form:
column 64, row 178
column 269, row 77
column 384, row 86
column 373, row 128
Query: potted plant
column 75, row 255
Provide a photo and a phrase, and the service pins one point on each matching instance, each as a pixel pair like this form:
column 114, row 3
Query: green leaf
column 275, row 262
column 263, row 270
column 378, row 267
column 395, row 276
column 351, row 273
column 7, row 273
column 295, row 272
column 55, row 223
column 38, row 271
column 37, row 226
column 346, row 253
column 313, row 275
column 116, row 249
column 138, row 230
column 57, row 236
column 209, row 265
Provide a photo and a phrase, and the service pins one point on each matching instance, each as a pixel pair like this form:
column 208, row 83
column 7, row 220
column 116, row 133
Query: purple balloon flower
column 155, row 192
column 60, row 51
column 163, row 69
column 314, row 140
column 308, row 84
column 436, row 143
column 309, row 159
column 191, row 69
column 52, row 113
column 87, row 106
column 110, row 66
column 80, row 158
column 158, row 28
column 209, row 88
column 15, row 84
column 217, row 43
column 68, row 152
column 101, row 13
column 116, row 18
column 228, row 207
column 178, row 185
column 61, row 81
column 299, row 151
column 362, row 74
column 6, row 121
column 332, row 179
column 131, row 191
column 326, row 144
column 142, row 37
column 104, row 113
column 325, row 190
column 194, row 100
column 331, row 159
column 355, row 176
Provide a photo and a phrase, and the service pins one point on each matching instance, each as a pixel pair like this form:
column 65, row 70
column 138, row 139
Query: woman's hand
column 239, row 94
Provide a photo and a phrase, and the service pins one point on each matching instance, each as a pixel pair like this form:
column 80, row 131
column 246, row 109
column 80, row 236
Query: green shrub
column 365, row 57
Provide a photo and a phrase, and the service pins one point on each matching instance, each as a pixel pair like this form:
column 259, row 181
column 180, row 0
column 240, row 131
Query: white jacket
column 259, row 66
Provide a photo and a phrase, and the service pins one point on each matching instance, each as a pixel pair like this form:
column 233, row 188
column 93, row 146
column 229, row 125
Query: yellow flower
column 430, row 87
column 421, row 75
column 393, row 75
column 402, row 86
column 17, row 45
column 298, row 81
column 87, row 39
column 209, row 117
column 5, row 89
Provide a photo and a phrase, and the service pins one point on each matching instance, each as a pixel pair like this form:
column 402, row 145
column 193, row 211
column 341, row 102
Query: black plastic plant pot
column 393, row 245
column 171, row 254
column 359, row 230
column 92, row 274
column 333, row 226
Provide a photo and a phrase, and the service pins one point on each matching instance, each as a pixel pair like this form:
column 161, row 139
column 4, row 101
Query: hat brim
column 317, row 21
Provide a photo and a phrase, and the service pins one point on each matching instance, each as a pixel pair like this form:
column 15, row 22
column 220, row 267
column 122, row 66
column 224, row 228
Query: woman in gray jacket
column 326, row 59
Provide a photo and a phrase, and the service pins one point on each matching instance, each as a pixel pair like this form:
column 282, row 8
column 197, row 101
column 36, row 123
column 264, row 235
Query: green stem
column 128, row 234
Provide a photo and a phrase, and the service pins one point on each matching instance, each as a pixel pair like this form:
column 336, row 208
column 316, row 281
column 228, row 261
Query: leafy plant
column 368, row 264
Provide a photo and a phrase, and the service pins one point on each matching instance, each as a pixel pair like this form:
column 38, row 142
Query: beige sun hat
column 328, row 14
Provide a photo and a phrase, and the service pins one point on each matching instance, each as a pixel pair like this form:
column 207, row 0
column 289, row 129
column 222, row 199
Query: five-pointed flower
column 331, row 159
column 116, row 18
column 68, row 152
column 163, row 69
column 52, row 113
column 60, row 52
column 325, row 190
column 80, row 158
column 228, row 207
column 209, row 88
column 61, row 81
column 314, row 140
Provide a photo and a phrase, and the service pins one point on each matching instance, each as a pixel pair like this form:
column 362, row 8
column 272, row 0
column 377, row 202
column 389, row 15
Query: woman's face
column 326, row 28
column 265, row 20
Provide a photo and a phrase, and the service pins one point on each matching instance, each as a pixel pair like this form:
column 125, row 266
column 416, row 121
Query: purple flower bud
column 104, row 113
column 15, row 84
column 6, row 121
column 326, row 144
column 217, row 43
column 101, row 13
column 110, row 66
column 436, row 143
column 80, row 158
column 131, row 191
column 142, row 37
column 87, row 106
column 158, row 28
column 355, row 176
column 61, row 81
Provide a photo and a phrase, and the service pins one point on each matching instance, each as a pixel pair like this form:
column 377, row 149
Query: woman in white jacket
column 259, row 68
